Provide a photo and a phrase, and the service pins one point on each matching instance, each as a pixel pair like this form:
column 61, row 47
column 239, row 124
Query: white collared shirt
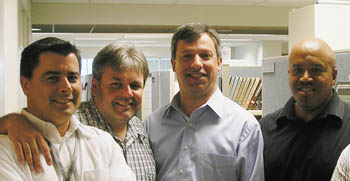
column 99, row 157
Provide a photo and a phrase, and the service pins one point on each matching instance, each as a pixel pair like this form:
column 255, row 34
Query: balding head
column 315, row 47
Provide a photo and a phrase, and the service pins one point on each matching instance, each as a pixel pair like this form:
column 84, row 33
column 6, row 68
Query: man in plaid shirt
column 119, row 77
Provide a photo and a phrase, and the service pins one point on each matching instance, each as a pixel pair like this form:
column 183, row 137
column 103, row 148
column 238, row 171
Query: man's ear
column 334, row 76
column 25, row 84
column 94, row 86
column 219, row 64
column 173, row 64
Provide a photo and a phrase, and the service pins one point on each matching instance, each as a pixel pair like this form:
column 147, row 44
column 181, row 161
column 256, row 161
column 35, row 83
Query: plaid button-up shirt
column 136, row 148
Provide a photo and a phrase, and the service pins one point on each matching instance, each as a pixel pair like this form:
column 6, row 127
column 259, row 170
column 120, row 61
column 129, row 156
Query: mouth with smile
column 305, row 89
column 124, row 103
column 196, row 75
column 63, row 102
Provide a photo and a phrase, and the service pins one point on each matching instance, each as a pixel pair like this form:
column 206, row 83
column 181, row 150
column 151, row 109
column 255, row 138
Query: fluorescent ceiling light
column 252, row 35
column 236, row 39
column 36, row 29
column 135, row 41
column 149, row 36
column 95, row 38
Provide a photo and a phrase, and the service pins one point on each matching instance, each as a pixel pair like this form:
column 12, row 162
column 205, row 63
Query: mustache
column 305, row 84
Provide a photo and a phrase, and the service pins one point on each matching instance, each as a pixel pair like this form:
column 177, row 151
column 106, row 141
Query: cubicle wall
column 275, row 79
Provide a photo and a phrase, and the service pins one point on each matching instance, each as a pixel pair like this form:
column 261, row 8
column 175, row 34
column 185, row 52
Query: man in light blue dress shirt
column 202, row 135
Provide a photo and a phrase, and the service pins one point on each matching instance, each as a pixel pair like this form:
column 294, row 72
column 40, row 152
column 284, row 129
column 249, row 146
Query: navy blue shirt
column 298, row 150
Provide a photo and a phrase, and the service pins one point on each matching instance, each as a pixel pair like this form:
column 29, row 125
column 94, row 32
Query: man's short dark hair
column 190, row 33
column 30, row 55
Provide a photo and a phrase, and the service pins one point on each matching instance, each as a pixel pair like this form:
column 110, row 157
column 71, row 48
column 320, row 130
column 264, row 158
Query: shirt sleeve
column 342, row 170
column 10, row 168
column 250, row 163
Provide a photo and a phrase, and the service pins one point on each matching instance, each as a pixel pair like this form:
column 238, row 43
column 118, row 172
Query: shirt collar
column 49, row 130
column 133, row 129
column 214, row 102
column 335, row 108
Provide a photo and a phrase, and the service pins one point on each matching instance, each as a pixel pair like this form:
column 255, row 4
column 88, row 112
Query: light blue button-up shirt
column 220, row 141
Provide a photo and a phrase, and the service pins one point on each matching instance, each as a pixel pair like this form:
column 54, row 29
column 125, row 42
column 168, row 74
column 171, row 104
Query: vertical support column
column 9, row 60
column 325, row 21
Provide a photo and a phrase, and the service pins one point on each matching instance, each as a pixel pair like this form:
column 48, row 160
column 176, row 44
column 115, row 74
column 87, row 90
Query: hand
column 28, row 141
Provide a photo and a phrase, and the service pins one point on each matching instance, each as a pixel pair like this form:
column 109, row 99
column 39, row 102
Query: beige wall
column 301, row 24
column 51, row 13
column 272, row 49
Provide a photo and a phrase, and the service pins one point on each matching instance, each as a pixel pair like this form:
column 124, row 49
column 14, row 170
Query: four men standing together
column 201, row 135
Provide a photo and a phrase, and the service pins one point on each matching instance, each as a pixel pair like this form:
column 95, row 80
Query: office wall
column 328, row 22
column 272, row 48
column 129, row 14
column 2, row 57
column 301, row 24
column 332, row 25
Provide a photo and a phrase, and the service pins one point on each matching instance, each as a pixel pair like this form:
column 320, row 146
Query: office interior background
column 253, row 32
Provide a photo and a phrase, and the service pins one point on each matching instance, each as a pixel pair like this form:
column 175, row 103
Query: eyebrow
column 48, row 73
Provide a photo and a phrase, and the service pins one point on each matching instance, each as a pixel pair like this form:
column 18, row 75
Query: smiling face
column 53, row 92
column 311, row 74
column 118, row 95
column 196, row 66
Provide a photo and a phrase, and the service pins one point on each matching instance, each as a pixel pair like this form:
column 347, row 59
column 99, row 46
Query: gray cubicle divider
column 275, row 91
column 249, row 71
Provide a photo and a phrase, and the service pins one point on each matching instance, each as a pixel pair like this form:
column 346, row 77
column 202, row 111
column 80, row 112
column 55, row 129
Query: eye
column 73, row 78
column 116, row 85
column 187, row 56
column 53, row 78
column 205, row 56
column 135, row 86
column 316, row 71
column 297, row 70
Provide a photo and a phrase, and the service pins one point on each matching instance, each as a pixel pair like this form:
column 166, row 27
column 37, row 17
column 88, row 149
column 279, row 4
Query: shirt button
column 185, row 147
column 190, row 125
column 181, row 171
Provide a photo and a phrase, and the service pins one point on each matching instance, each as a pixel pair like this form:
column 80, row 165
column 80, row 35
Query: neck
column 308, row 115
column 119, row 129
column 189, row 103
column 63, row 127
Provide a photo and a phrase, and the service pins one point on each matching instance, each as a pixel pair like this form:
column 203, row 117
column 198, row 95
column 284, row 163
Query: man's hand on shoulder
column 28, row 141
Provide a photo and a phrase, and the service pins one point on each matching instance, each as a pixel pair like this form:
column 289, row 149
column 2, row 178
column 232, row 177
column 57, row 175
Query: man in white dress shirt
column 50, row 78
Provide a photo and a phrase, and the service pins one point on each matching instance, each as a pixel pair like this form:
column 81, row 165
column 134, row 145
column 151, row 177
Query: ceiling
column 292, row 3
column 159, row 36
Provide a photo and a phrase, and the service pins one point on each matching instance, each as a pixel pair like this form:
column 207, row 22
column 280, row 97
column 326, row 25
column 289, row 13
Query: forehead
column 54, row 61
column 132, row 74
column 204, row 42
column 304, row 56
